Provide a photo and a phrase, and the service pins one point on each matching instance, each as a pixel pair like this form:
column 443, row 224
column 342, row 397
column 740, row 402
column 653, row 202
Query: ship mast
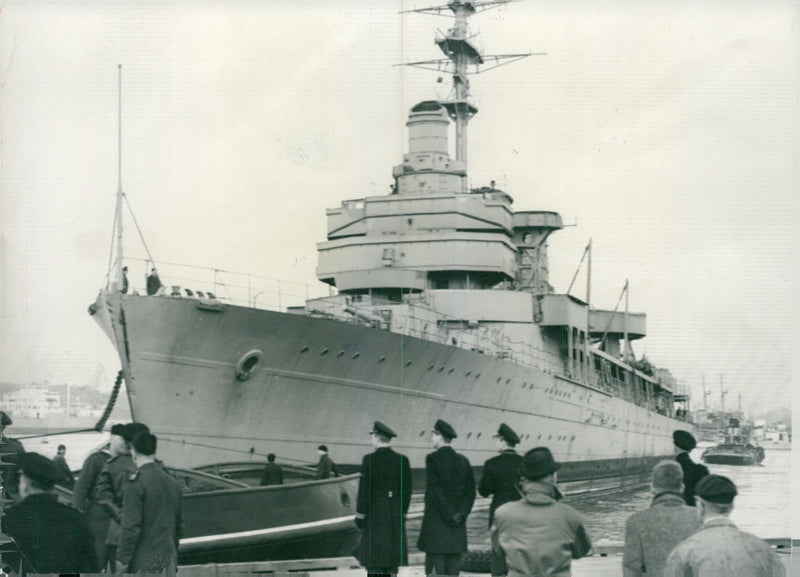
column 458, row 45
column 115, row 266
column 118, row 224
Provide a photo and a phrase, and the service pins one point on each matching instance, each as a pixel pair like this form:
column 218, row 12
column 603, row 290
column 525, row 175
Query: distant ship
column 442, row 308
column 736, row 449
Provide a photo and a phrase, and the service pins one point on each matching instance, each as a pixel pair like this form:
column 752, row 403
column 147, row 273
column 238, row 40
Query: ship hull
column 322, row 381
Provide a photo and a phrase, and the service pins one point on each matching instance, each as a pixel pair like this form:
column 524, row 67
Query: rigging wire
column 138, row 229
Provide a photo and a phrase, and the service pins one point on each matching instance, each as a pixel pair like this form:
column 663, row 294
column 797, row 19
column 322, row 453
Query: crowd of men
column 126, row 513
column 685, row 532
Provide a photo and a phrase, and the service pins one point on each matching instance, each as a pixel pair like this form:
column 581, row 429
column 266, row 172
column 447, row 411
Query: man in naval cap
column 721, row 549
column 49, row 537
column 384, row 495
column 500, row 476
column 692, row 472
column 539, row 535
column 9, row 471
column 114, row 477
column 449, row 495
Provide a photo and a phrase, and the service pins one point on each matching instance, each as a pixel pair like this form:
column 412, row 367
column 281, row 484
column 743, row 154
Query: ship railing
column 421, row 322
column 231, row 287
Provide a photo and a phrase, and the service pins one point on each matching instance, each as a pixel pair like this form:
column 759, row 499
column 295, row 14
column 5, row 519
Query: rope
column 111, row 401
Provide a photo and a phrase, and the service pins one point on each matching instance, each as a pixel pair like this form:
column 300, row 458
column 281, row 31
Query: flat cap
column 322, row 448
column 538, row 463
column 684, row 440
column 5, row 420
column 37, row 468
column 507, row 434
column 716, row 489
column 380, row 429
column 445, row 430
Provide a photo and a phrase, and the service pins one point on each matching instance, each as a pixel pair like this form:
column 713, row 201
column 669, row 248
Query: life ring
column 248, row 364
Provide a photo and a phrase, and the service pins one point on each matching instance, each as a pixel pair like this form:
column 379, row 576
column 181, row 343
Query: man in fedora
column 500, row 476
column 384, row 495
column 449, row 495
column 719, row 548
column 538, row 535
column 692, row 472
column 48, row 537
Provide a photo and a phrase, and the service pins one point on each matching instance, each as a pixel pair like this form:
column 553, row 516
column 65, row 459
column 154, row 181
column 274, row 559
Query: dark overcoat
column 449, row 492
column 500, row 478
column 111, row 484
column 384, row 495
column 152, row 523
column 52, row 538
column 272, row 475
column 10, row 472
column 692, row 473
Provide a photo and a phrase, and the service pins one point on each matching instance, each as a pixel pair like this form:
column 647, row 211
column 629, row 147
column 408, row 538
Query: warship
column 439, row 307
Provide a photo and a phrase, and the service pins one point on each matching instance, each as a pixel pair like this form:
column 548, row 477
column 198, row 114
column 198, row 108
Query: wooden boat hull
column 227, row 521
column 298, row 520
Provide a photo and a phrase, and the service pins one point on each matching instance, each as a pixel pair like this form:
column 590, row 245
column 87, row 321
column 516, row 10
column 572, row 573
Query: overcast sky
column 665, row 130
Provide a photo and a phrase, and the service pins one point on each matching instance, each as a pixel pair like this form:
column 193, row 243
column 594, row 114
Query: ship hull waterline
column 321, row 381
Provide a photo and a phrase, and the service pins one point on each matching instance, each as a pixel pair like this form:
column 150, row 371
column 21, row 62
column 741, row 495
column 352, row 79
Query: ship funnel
column 427, row 128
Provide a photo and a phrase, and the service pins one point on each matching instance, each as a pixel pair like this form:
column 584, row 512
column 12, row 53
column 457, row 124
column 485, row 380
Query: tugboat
column 737, row 449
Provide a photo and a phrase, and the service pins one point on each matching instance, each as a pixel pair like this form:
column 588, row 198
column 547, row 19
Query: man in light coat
column 652, row 534
column 539, row 535
column 720, row 549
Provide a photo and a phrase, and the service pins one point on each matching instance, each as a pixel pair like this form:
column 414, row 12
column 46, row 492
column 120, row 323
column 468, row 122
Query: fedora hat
column 538, row 463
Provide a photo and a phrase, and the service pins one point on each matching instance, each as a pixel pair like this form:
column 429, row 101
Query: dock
column 605, row 562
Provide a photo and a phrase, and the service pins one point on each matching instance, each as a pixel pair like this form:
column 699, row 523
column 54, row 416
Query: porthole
column 248, row 364
column 340, row 354
column 304, row 349
column 323, row 352
column 383, row 358
column 356, row 355
column 408, row 363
